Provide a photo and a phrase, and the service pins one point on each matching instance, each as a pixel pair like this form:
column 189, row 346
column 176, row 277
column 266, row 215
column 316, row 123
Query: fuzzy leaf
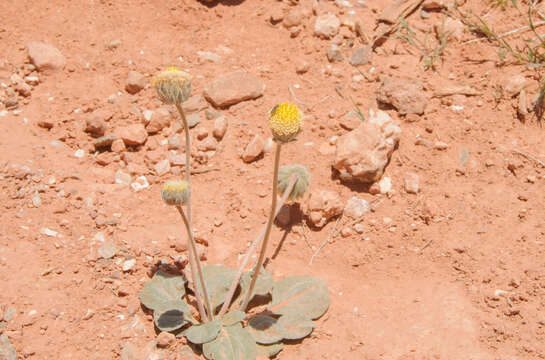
column 264, row 329
column 200, row 334
column 218, row 279
column 172, row 315
column 294, row 327
column 233, row 317
column 269, row 351
column 262, row 287
column 161, row 289
column 303, row 296
column 233, row 343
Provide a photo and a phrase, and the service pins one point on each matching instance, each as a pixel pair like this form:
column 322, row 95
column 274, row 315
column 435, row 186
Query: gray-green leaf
column 294, row 327
column 172, row 315
column 218, row 279
column 264, row 329
column 302, row 296
column 233, row 317
column 161, row 289
column 233, row 343
column 262, row 286
column 269, row 350
column 200, row 334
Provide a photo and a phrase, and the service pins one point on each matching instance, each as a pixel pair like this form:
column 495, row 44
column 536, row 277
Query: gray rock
column 193, row 120
column 356, row 207
column 327, row 26
column 334, row 53
column 322, row 206
column 361, row 56
column 232, row 88
column 107, row 250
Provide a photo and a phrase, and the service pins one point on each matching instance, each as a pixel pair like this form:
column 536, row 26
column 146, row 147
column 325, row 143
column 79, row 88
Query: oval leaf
column 218, row 279
column 200, row 334
column 294, row 327
column 172, row 315
column 233, row 343
column 264, row 329
column 263, row 285
column 269, row 351
column 304, row 296
column 161, row 289
column 233, row 317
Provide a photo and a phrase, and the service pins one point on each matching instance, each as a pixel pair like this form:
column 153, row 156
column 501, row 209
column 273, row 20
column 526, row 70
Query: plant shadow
column 214, row 3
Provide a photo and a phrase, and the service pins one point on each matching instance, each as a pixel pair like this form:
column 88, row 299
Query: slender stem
column 254, row 245
column 261, row 258
column 193, row 254
column 195, row 270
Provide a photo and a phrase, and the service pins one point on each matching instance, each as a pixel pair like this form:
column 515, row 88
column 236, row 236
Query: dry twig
column 528, row 156
column 326, row 241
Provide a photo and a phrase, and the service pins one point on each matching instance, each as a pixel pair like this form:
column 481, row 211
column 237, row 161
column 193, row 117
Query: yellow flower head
column 285, row 121
column 173, row 85
column 176, row 192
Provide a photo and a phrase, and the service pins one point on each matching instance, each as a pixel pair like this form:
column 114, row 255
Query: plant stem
column 196, row 269
column 254, row 245
column 261, row 258
column 193, row 266
column 195, row 255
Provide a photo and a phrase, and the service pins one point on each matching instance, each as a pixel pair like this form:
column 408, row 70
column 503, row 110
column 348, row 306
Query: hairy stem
column 195, row 255
column 254, row 245
column 193, row 266
column 261, row 258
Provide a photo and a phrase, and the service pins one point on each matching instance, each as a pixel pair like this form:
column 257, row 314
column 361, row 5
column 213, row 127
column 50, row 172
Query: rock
column 211, row 114
column 166, row 339
column 202, row 133
column 107, row 250
column 104, row 141
column 7, row 350
column 80, row 153
column 128, row 265
column 162, row 167
column 32, row 80
column 355, row 207
column 95, row 125
column 512, row 85
column 176, row 159
column 129, row 352
column 361, row 56
column 334, row 53
column 454, row 29
column 122, row 177
column 220, row 127
column 362, row 154
column 194, row 104
column 23, row 89
column 440, row 145
column 232, row 88
column 406, row 96
column 294, row 17
column 135, row 82
column 253, row 150
column 193, row 120
column 208, row 145
column 46, row 123
column 302, row 67
column 322, row 206
column 411, row 183
column 159, row 120
column 140, row 183
column 118, row 146
column 434, row 4
column 132, row 135
column 174, row 142
column 385, row 185
column 327, row 26
column 45, row 57
column 104, row 158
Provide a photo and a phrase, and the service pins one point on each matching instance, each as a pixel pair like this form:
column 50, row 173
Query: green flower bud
column 301, row 185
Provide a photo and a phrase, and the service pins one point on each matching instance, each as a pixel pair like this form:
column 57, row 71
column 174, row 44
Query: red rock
column 95, row 125
column 135, row 82
column 322, row 206
column 45, row 57
column 406, row 96
column 160, row 119
column 327, row 26
column 220, row 127
column 118, row 146
column 232, row 88
column 411, row 183
column 133, row 134
column 253, row 149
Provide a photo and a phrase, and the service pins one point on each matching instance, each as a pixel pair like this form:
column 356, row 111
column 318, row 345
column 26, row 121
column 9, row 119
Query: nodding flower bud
column 173, row 85
column 176, row 192
column 301, row 184
column 285, row 121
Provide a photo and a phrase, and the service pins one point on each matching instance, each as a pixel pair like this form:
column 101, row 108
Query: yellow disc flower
column 173, row 85
column 175, row 192
column 285, row 121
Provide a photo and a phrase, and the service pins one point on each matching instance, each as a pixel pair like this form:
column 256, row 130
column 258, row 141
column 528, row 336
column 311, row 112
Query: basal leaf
column 200, row 334
column 233, row 343
column 233, row 317
column 269, row 350
column 294, row 327
column 302, row 296
column 264, row 329
column 161, row 289
column 218, row 279
column 172, row 315
column 262, row 286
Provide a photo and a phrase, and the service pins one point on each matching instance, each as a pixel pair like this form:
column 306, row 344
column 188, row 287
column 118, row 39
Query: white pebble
column 80, row 153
